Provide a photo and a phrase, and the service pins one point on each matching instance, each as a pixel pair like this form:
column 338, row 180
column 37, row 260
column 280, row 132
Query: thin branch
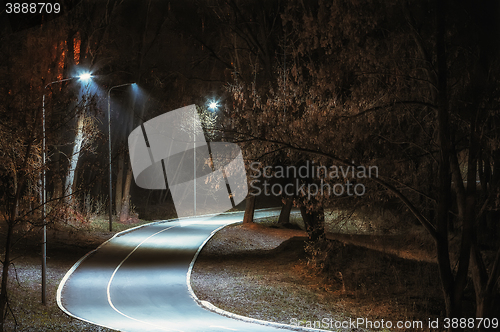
column 382, row 107
column 495, row 274
column 270, row 152
column 414, row 190
column 420, row 217
column 428, row 81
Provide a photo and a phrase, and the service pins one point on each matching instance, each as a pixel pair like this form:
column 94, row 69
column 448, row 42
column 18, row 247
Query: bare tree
column 379, row 89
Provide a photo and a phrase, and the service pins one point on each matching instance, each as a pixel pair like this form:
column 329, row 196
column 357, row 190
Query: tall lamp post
column 109, row 155
column 84, row 77
column 212, row 105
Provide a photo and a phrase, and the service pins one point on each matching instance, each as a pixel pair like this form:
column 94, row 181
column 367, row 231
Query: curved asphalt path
column 138, row 280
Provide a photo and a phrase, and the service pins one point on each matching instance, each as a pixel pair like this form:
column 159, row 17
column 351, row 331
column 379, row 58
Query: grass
column 252, row 279
column 100, row 225
column 403, row 240
column 282, row 285
column 261, row 287
column 66, row 244
column 25, row 297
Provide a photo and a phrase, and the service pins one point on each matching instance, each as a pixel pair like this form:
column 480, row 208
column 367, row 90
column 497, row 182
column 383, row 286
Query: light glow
column 213, row 105
column 85, row 76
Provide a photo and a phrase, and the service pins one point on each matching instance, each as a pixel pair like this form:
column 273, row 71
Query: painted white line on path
column 113, row 276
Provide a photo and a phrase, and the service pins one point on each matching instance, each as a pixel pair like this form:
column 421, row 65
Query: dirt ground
column 263, row 273
column 65, row 246
column 256, row 271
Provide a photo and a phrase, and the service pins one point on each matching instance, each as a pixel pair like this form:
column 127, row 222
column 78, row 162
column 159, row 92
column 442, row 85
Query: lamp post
column 83, row 77
column 109, row 155
column 194, row 161
column 212, row 105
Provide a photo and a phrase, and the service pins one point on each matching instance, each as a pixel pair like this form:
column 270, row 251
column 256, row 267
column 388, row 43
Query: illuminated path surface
column 137, row 281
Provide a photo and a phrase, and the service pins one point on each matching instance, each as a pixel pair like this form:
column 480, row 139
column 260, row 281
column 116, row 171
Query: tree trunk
column 314, row 222
column 70, row 178
column 5, row 275
column 11, row 221
column 125, row 208
column 484, row 285
column 452, row 286
column 285, row 212
column 479, row 278
column 249, row 209
column 58, row 183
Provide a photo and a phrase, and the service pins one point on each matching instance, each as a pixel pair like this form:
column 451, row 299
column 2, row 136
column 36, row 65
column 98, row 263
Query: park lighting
column 83, row 77
column 109, row 155
column 213, row 105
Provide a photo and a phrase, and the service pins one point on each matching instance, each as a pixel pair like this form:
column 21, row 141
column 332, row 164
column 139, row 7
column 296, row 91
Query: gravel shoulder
column 246, row 269
column 262, row 273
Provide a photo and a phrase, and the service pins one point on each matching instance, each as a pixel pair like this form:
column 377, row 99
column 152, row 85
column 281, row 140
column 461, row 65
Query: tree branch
column 421, row 218
column 382, row 107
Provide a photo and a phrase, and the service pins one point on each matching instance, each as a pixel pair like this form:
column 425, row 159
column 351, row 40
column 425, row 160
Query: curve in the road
column 139, row 280
column 116, row 270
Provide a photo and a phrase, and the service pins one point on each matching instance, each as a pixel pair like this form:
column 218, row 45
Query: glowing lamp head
column 213, row 105
column 85, row 76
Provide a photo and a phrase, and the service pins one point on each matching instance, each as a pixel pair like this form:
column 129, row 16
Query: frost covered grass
column 28, row 313
column 263, row 272
column 66, row 244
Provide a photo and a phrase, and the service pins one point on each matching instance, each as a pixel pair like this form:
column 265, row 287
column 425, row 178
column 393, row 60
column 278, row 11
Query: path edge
column 209, row 306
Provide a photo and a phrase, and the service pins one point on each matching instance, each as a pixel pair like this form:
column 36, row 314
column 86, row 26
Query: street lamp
column 83, row 77
column 109, row 155
column 213, row 105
